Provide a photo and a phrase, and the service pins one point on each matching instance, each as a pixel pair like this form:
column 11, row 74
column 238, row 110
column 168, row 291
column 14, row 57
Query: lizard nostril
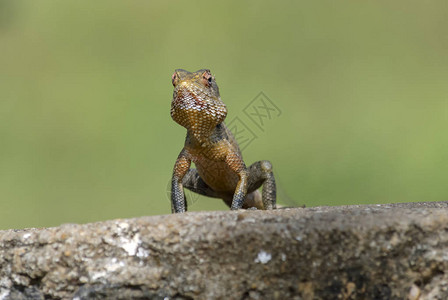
column 173, row 79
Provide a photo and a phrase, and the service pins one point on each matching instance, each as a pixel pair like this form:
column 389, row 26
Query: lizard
column 220, row 169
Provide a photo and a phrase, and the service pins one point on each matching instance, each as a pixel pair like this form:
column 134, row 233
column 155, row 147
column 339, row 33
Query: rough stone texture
column 353, row 252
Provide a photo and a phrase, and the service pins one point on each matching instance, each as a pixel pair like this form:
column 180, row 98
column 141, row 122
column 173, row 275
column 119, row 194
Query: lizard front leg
column 181, row 167
column 260, row 173
column 236, row 163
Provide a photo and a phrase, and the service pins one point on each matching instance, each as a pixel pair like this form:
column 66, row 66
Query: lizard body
column 221, row 171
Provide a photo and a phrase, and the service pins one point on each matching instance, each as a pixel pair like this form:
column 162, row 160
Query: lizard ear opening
column 207, row 78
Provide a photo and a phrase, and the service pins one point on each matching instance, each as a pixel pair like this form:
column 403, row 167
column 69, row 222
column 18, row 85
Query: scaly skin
column 221, row 172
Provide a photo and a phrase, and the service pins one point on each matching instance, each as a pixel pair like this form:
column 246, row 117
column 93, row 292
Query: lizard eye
column 207, row 78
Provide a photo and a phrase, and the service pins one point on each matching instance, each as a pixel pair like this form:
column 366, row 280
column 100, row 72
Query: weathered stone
column 353, row 252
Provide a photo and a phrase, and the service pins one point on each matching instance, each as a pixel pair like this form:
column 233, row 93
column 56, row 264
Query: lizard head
column 201, row 81
column 196, row 103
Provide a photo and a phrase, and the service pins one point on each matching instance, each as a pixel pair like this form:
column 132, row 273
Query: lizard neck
column 201, row 138
column 218, row 133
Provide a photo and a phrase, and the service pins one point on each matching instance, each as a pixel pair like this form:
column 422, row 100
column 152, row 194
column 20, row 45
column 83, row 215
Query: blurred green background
column 85, row 91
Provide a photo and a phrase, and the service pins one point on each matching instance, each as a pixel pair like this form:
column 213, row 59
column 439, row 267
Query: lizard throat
column 198, row 112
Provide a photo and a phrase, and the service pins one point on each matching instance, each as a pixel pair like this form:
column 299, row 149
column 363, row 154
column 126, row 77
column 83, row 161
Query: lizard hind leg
column 260, row 174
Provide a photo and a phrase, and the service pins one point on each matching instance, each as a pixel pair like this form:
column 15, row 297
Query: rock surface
column 352, row 252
